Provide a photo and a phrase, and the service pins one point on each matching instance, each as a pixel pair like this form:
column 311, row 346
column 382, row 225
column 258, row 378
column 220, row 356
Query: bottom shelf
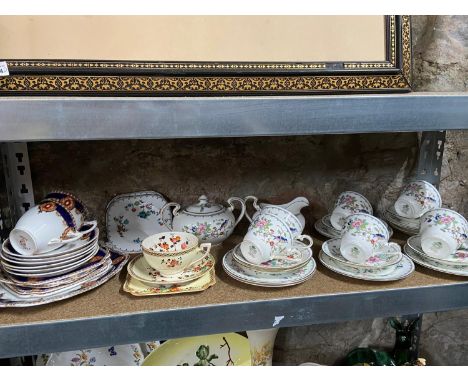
column 109, row 316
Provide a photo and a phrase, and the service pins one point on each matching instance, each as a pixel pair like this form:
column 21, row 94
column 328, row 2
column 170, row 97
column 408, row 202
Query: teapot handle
column 175, row 212
column 255, row 205
column 231, row 208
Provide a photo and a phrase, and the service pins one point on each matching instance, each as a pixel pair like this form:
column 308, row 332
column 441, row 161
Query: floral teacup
column 348, row 203
column 364, row 236
column 443, row 231
column 173, row 252
column 417, row 198
column 270, row 238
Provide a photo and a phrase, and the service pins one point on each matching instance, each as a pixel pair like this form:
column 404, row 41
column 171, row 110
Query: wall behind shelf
column 280, row 168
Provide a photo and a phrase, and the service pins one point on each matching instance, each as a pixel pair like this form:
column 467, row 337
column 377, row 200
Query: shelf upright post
column 18, row 183
column 431, row 151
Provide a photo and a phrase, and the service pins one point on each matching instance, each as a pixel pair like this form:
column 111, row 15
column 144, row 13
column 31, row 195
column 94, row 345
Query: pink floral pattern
column 449, row 222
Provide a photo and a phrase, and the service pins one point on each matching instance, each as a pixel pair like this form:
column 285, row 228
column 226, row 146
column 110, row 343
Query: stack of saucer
column 363, row 252
column 294, row 269
column 416, row 198
column 172, row 262
column 443, row 242
column 39, row 266
column 347, row 203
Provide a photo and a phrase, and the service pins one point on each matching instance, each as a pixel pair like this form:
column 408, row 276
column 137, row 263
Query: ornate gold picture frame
column 34, row 69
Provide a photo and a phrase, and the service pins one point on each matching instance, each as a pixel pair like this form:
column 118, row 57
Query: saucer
column 68, row 249
column 460, row 257
column 265, row 279
column 402, row 269
column 139, row 269
column 331, row 248
column 130, row 218
column 275, row 265
column 459, row 270
column 137, row 288
column 405, row 225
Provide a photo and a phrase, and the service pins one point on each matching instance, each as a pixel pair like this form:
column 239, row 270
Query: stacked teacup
column 347, row 203
column 442, row 242
column 416, row 198
column 51, row 249
column 363, row 251
column 274, row 243
column 172, row 262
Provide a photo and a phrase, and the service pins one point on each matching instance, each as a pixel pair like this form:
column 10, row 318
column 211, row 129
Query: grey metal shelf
column 88, row 321
column 88, row 118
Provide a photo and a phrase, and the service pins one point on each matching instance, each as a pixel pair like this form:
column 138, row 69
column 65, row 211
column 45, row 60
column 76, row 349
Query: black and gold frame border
column 203, row 78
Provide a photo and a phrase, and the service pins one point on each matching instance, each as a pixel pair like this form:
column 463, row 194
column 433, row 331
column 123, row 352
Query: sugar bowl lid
column 204, row 207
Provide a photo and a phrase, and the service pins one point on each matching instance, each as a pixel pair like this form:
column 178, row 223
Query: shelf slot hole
column 26, row 206
column 21, row 169
column 24, row 189
column 19, row 156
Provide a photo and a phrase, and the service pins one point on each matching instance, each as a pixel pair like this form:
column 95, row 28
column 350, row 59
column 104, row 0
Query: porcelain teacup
column 416, row 199
column 364, row 236
column 443, row 231
column 45, row 227
column 269, row 237
column 71, row 203
column 348, row 203
column 171, row 253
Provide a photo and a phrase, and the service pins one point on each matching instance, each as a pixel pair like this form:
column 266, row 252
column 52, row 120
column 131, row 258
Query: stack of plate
column 455, row 264
column 325, row 228
column 389, row 266
column 282, row 272
column 64, row 272
column 143, row 280
column 405, row 225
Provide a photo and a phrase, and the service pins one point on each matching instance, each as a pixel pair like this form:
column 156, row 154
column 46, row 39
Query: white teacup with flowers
column 416, row 199
column 348, row 203
column 443, row 231
column 364, row 236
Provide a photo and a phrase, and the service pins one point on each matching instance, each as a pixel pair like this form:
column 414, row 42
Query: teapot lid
column 204, row 207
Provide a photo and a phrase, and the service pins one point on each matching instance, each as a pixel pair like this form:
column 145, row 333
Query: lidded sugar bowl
column 210, row 222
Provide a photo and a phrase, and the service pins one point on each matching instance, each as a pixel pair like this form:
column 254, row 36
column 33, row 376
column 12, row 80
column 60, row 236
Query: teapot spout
column 296, row 205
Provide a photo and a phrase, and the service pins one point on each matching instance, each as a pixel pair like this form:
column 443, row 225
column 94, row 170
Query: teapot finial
column 202, row 200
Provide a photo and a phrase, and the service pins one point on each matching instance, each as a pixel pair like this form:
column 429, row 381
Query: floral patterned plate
column 130, row 218
column 323, row 230
column 459, row 270
column 331, row 248
column 117, row 261
column 402, row 269
column 267, row 279
column 118, row 355
column 137, row 288
column 139, row 269
column 402, row 227
column 460, row 257
column 275, row 265
column 224, row 349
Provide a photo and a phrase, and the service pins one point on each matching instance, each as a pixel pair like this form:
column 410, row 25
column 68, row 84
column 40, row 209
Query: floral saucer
column 460, row 257
column 276, row 265
column 137, row 288
column 139, row 269
column 380, row 261
column 459, row 270
column 68, row 249
column 405, row 225
column 130, row 218
column 224, row 349
column 265, row 279
column 325, row 228
column 402, row 269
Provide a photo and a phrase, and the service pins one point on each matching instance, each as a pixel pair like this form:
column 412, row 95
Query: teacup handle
column 231, row 208
column 307, row 238
column 255, row 205
column 175, row 212
column 75, row 235
column 205, row 248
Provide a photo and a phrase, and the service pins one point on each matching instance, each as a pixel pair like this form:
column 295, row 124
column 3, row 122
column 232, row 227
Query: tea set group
column 53, row 252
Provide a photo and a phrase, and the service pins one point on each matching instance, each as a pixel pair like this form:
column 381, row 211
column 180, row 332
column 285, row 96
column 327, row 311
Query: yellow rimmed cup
column 171, row 253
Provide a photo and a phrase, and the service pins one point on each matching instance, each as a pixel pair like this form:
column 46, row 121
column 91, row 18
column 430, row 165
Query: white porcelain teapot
column 210, row 222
